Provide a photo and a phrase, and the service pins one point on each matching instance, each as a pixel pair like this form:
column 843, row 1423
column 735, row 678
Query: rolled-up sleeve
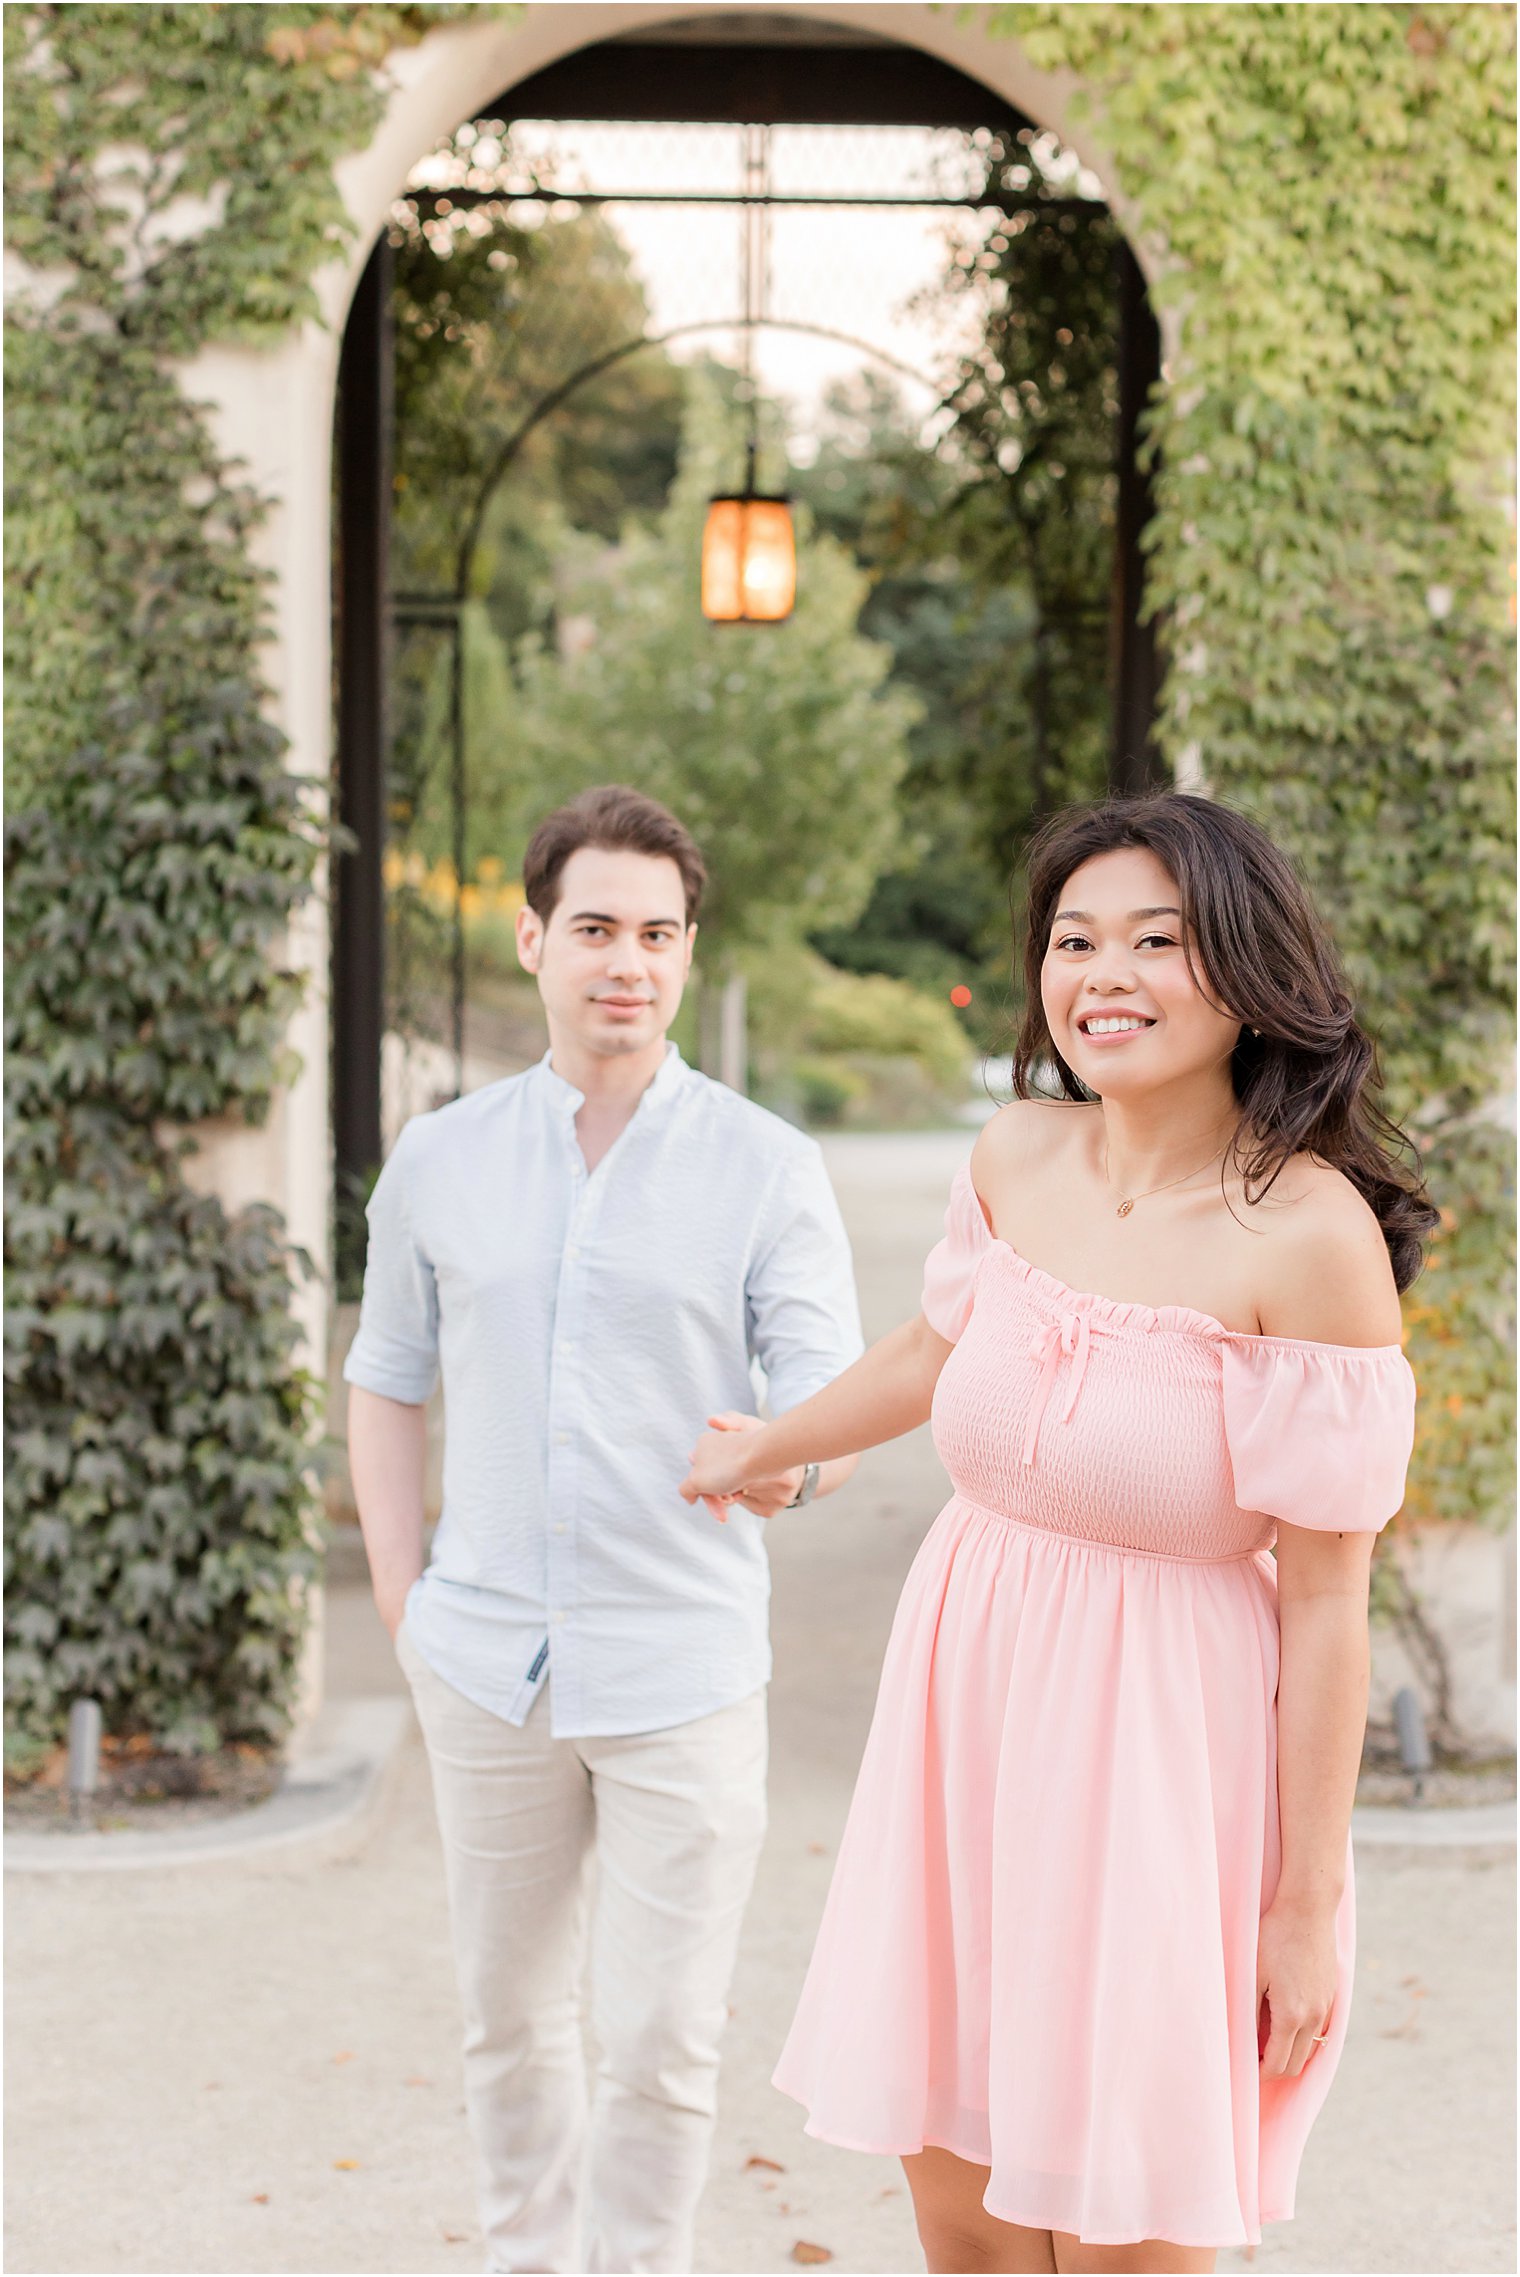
column 395, row 1352
column 804, row 1317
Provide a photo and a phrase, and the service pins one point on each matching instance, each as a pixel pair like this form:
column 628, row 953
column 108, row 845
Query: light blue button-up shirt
column 586, row 1326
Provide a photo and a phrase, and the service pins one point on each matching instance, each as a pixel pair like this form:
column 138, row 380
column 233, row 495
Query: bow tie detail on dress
column 1069, row 1335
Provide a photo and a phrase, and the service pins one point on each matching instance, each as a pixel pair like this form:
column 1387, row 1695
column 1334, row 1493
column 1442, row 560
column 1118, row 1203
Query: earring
column 1256, row 1031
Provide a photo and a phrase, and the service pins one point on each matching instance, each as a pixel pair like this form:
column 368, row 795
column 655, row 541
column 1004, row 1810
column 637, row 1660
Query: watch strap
column 808, row 1488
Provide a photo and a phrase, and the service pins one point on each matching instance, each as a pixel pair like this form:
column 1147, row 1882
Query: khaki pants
column 674, row 1821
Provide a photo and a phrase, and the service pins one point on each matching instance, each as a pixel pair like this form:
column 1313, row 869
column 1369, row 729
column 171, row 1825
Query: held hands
column 1295, row 1987
column 721, row 1471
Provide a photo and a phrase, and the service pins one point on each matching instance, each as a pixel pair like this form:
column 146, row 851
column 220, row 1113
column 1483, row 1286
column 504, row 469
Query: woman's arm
column 1321, row 1719
column 888, row 1391
column 1327, row 1280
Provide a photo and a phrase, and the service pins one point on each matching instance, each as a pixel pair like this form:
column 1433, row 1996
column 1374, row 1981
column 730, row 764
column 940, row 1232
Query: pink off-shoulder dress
column 1039, row 1950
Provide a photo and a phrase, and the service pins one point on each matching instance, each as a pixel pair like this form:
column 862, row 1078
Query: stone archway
column 274, row 414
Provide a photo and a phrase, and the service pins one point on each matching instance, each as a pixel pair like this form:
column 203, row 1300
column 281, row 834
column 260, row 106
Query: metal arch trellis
column 368, row 608
column 446, row 609
column 560, row 394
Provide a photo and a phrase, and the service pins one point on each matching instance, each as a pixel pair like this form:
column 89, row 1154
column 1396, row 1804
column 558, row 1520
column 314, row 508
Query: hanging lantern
column 749, row 560
column 749, row 549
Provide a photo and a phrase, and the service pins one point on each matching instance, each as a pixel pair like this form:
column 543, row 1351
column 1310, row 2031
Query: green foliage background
column 1329, row 190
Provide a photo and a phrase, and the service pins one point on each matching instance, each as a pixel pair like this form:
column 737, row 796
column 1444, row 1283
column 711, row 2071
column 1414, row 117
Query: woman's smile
column 1106, row 1029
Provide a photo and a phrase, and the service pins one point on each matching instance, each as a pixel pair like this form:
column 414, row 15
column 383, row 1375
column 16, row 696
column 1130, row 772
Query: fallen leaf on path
column 259, row 2198
column 344, row 2056
column 416, row 2080
column 346, row 2165
column 1407, row 2027
column 810, row 2254
column 771, row 2165
column 818, row 1850
column 892, row 2191
column 456, row 2237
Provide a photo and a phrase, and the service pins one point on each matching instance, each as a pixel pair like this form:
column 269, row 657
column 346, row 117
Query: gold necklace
column 1129, row 1200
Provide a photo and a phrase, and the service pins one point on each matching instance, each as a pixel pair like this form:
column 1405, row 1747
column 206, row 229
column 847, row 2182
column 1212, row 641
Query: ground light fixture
column 84, row 1755
column 749, row 547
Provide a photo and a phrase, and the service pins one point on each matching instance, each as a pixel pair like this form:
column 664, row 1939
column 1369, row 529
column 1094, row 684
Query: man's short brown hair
column 620, row 821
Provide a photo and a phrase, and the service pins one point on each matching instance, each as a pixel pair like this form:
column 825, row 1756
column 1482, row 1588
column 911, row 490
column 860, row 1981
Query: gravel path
column 253, row 2066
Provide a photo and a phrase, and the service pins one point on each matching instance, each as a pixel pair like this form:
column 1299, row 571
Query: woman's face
column 1123, row 1008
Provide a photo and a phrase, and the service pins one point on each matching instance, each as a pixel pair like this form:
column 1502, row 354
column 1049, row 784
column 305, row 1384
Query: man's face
column 612, row 960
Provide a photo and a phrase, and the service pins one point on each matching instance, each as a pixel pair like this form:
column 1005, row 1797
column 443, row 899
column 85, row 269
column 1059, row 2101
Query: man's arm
column 390, row 1371
column 804, row 1316
column 387, row 1457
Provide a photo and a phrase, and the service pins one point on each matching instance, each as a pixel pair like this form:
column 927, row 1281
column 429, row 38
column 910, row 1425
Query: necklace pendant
column 1125, row 1207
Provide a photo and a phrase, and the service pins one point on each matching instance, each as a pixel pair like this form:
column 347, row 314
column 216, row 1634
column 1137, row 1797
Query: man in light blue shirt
column 593, row 1254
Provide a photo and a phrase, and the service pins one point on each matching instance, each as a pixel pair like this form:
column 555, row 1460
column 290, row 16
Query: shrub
column 870, row 1013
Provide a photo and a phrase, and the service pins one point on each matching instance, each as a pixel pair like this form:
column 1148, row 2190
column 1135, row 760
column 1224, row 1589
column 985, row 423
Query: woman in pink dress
column 1086, row 1961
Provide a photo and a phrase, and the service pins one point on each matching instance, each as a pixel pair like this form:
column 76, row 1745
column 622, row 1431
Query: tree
column 494, row 320
column 780, row 746
column 991, row 560
column 939, row 915
column 1036, row 410
column 493, row 317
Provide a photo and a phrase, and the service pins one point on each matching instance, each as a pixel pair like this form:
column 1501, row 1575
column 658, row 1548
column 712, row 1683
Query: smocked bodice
column 1151, row 1429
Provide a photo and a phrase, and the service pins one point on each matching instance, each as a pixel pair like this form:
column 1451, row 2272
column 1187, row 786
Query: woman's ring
column 1317, row 2037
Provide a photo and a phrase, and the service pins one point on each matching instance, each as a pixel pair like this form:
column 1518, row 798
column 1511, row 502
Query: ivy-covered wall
column 169, row 180
column 1329, row 188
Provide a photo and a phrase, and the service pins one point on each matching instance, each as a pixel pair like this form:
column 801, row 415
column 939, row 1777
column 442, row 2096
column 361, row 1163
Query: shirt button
column 572, row 1252
column 561, row 1438
column 560, row 1620
column 561, row 1529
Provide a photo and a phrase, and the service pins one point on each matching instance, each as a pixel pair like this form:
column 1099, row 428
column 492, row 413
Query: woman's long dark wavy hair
column 1306, row 1082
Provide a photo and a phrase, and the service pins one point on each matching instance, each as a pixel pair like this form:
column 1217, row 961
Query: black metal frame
column 362, row 629
column 746, row 83
column 1135, row 670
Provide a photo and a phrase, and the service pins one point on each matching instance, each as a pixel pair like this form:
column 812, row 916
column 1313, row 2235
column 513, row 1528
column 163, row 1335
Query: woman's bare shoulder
column 1325, row 1272
column 1025, row 1132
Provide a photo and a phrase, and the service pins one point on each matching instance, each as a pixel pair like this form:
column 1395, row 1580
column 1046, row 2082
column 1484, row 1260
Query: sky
column 866, row 273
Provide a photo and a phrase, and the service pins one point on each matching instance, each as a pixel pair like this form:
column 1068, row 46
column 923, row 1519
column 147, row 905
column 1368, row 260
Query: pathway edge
column 333, row 1781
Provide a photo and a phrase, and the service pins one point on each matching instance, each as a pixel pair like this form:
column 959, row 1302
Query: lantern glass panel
column 770, row 561
column 722, row 556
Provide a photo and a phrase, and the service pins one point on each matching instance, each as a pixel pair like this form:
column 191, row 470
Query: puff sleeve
column 1319, row 1434
column 951, row 1267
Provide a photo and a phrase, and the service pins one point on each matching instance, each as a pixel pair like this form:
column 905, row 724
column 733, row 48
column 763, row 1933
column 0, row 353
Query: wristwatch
column 807, row 1490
